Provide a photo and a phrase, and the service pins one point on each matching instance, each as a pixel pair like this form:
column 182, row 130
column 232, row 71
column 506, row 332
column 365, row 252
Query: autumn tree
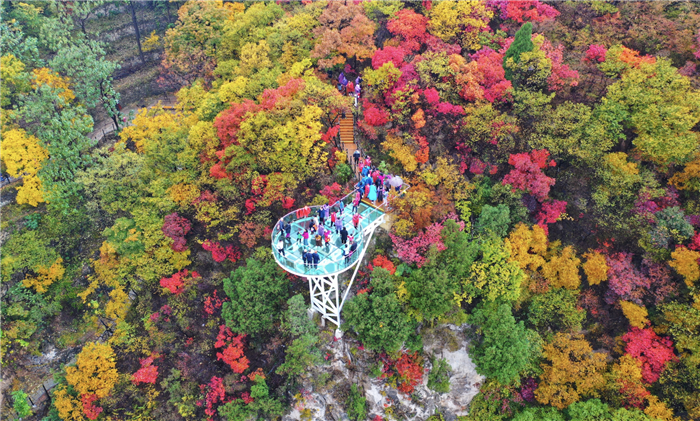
column 685, row 262
column 571, row 371
column 595, row 267
column 93, row 377
column 345, row 33
column 410, row 27
column 23, row 155
column 459, row 21
column 658, row 104
column 561, row 271
column 636, row 314
column 45, row 276
column 651, row 350
column 527, row 174
column 527, row 246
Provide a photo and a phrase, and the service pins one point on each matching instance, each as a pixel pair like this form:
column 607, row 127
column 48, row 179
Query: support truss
column 325, row 291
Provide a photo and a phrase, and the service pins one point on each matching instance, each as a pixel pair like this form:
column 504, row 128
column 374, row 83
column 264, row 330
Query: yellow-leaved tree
column 93, row 377
column 401, row 152
column 95, row 371
column 685, row 262
column 44, row 76
column 23, row 154
column 571, row 371
column 595, row 268
column 562, row 270
column 45, row 277
column 636, row 314
column 625, row 385
column 459, row 21
column 527, row 246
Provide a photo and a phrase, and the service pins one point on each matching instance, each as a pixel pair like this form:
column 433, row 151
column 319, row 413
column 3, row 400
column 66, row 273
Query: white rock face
column 326, row 387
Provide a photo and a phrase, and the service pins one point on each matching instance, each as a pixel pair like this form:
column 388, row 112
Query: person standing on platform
column 356, row 219
column 280, row 246
column 338, row 225
column 288, row 231
column 341, row 207
column 353, row 247
column 356, row 157
column 365, row 170
column 305, row 258
column 343, row 235
column 373, row 194
column 305, row 235
column 316, row 259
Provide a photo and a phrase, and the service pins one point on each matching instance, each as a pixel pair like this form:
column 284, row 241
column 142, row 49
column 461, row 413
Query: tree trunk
column 138, row 33
column 167, row 11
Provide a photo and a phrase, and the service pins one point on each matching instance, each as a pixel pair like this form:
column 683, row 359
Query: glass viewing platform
column 331, row 256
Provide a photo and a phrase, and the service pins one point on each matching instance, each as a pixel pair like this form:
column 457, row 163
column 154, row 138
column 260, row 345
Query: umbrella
column 395, row 181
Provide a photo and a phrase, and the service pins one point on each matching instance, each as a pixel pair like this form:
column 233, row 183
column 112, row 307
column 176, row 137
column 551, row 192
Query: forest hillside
column 503, row 197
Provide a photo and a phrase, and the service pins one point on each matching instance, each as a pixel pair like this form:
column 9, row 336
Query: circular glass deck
column 332, row 260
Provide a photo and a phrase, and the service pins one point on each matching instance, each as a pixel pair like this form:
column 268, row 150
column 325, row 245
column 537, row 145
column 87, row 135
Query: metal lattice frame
column 325, row 290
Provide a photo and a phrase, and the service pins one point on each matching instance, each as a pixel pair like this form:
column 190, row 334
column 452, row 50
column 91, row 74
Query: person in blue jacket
column 305, row 258
column 372, row 194
column 315, row 257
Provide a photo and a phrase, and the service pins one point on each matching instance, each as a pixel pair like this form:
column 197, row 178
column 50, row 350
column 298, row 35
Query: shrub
column 357, row 404
column 439, row 376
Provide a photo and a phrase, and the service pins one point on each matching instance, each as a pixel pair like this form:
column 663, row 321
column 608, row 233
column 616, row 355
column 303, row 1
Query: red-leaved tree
column 220, row 253
column 90, row 410
column 527, row 174
column 529, row 11
column 410, row 27
column 232, row 349
column 176, row 227
column 215, row 393
column 625, row 281
column 415, row 249
column 147, row 373
column 176, row 283
column 651, row 350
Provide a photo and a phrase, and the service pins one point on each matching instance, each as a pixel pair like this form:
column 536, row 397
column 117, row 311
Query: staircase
column 347, row 136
